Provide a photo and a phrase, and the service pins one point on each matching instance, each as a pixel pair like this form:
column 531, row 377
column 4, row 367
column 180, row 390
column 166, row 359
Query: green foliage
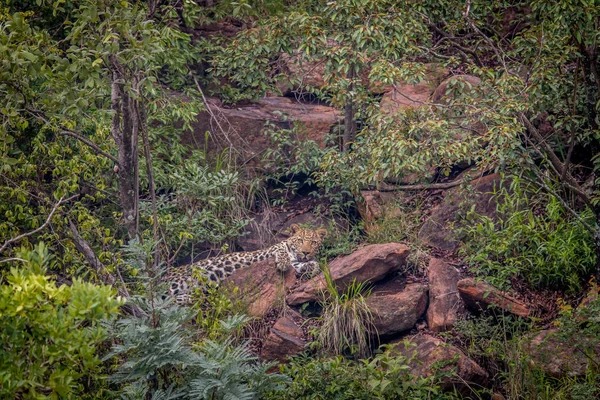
column 49, row 334
column 500, row 343
column 347, row 323
column 533, row 238
column 386, row 376
column 157, row 352
column 341, row 240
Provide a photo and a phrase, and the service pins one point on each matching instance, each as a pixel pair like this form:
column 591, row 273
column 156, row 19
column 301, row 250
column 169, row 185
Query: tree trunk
column 349, row 124
column 125, row 133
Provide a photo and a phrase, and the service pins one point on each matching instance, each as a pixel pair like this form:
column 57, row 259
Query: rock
column 262, row 286
column 445, row 305
column 559, row 356
column 244, row 126
column 285, row 339
column 396, row 307
column 437, row 231
column 303, row 73
column 376, row 205
column 452, row 86
column 432, row 354
column 480, row 295
column 368, row 264
column 404, row 96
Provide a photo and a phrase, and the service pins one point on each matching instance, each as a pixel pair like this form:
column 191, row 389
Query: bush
column 49, row 334
column 533, row 238
column 385, row 377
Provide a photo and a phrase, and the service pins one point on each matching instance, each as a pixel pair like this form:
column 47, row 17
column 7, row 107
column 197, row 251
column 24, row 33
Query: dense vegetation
column 101, row 192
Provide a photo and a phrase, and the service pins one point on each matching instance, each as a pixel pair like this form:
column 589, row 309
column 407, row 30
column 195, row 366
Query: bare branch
column 427, row 186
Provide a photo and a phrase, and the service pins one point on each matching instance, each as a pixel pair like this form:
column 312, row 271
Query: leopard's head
column 305, row 242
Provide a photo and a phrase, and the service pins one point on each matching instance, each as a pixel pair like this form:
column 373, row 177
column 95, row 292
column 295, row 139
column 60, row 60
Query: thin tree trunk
column 125, row 133
column 349, row 124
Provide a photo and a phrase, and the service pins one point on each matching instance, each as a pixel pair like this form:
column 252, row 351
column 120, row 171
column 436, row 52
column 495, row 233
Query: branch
column 68, row 132
column 427, row 186
column 41, row 227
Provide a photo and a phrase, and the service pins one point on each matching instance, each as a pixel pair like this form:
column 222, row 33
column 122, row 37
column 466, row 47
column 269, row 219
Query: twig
column 41, row 227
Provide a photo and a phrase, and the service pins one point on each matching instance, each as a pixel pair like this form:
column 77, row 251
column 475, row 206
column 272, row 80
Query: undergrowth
column 533, row 237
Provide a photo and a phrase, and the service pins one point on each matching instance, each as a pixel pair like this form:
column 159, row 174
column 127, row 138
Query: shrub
column 386, row 376
column 49, row 335
column 533, row 238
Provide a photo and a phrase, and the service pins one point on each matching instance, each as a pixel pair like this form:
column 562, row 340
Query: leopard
column 298, row 252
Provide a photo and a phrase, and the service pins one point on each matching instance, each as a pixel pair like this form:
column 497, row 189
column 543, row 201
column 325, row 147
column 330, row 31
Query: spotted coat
column 298, row 252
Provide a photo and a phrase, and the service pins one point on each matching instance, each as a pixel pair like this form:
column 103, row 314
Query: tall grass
column 347, row 321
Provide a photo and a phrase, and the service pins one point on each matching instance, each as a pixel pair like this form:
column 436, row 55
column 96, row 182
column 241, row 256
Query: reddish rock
column 376, row 205
column 480, row 295
column 559, row 356
column 261, row 286
column 284, row 340
column 404, row 96
column 243, row 127
column 368, row 264
column 438, row 232
column 445, row 305
column 429, row 355
column 396, row 307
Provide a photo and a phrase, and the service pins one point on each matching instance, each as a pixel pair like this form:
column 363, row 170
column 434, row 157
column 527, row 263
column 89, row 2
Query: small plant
column 533, row 238
column 347, row 321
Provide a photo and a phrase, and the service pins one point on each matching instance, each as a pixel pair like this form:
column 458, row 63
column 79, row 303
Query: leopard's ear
column 322, row 233
column 295, row 228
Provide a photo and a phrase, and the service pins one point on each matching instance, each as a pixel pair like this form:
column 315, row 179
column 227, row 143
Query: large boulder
column 445, row 305
column 438, row 230
column 429, row 355
column 285, row 338
column 479, row 295
column 262, row 286
column 368, row 264
column 561, row 356
column 396, row 307
column 242, row 127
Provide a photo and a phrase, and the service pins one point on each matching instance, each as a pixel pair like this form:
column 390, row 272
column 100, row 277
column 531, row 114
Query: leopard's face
column 305, row 242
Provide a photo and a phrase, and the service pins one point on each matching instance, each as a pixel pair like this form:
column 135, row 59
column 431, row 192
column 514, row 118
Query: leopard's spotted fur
column 297, row 252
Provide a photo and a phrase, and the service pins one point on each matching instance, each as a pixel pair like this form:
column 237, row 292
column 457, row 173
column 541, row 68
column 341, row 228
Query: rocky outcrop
column 429, row 355
column 396, row 307
column 262, row 286
column 561, row 356
column 368, row 264
column 404, row 95
column 285, row 338
column 438, row 232
column 445, row 305
column 243, row 127
column 479, row 296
